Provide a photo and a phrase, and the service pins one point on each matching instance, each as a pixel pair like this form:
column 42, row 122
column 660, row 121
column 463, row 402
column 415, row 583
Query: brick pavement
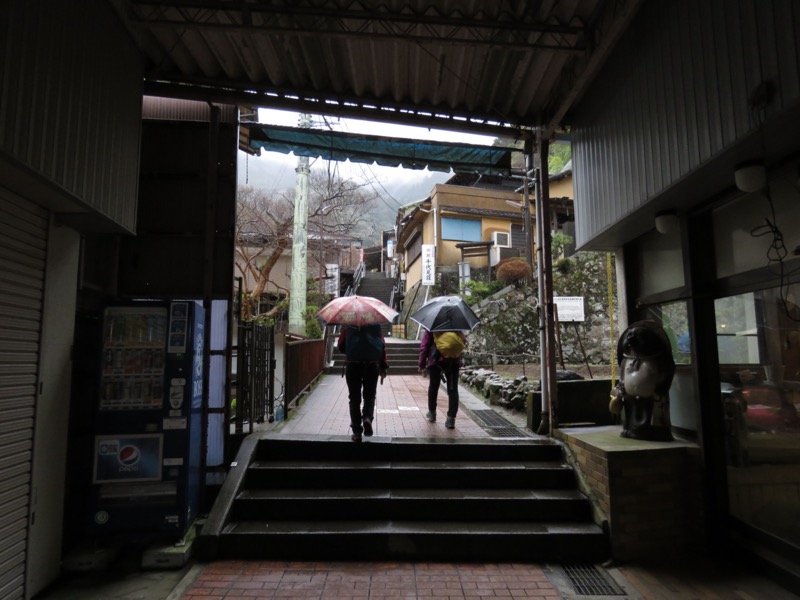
column 384, row 581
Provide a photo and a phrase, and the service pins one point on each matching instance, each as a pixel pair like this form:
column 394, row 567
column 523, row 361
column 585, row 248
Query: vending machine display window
column 134, row 340
column 128, row 458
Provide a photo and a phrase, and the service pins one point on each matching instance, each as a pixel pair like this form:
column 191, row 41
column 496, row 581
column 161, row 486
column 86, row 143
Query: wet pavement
column 400, row 412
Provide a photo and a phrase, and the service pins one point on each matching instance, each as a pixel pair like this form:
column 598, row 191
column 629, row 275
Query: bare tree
column 264, row 222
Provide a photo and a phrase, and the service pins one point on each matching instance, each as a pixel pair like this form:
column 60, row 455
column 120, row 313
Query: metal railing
column 255, row 376
column 358, row 275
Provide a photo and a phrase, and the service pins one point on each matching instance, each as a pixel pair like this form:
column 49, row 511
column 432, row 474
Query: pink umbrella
column 356, row 310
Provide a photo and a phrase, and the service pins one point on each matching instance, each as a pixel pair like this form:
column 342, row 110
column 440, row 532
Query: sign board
column 390, row 249
column 332, row 279
column 570, row 309
column 428, row 264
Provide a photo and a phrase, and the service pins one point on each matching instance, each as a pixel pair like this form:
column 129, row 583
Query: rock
column 494, row 391
column 567, row 375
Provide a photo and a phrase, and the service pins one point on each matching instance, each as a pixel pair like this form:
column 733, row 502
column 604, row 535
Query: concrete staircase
column 401, row 354
column 401, row 499
column 378, row 286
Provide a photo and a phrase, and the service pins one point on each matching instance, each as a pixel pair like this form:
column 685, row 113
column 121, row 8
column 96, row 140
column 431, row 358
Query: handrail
column 414, row 299
column 358, row 275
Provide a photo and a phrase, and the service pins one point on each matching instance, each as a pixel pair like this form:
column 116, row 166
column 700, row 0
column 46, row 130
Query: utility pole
column 546, row 305
column 297, row 298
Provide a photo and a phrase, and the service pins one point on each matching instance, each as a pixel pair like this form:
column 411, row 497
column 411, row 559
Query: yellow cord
column 611, row 312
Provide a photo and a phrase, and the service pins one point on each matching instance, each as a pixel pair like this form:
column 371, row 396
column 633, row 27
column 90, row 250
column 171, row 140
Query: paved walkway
column 385, row 581
column 401, row 405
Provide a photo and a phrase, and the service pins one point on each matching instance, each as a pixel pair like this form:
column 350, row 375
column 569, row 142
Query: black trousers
column 362, row 383
column 448, row 368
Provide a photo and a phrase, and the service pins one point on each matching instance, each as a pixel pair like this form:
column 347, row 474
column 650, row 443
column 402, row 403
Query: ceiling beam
column 505, row 31
column 580, row 73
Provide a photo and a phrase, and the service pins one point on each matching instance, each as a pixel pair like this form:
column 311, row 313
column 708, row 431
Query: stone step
column 448, row 540
column 402, row 357
column 473, row 451
column 435, row 475
column 418, row 504
column 402, row 499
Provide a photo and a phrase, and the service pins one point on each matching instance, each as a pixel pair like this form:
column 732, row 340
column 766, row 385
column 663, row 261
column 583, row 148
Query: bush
column 480, row 290
column 513, row 271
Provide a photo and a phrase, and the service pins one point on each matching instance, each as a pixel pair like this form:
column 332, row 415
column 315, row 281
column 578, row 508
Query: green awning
column 386, row 152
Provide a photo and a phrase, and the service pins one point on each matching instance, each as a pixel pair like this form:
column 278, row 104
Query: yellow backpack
column 449, row 344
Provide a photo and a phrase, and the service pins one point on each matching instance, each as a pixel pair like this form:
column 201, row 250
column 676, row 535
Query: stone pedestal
column 649, row 492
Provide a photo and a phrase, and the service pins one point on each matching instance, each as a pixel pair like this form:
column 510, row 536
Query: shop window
column 758, row 342
column 738, row 341
column 674, row 318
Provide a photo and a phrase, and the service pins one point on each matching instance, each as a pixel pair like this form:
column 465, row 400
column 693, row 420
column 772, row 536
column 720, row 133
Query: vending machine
column 147, row 445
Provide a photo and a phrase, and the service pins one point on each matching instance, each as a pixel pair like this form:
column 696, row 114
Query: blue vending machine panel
column 146, row 467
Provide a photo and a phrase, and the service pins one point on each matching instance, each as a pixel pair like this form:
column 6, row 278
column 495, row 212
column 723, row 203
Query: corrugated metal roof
column 171, row 109
column 471, row 65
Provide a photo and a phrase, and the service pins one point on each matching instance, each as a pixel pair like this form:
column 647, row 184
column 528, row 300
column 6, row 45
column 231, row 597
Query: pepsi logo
column 128, row 455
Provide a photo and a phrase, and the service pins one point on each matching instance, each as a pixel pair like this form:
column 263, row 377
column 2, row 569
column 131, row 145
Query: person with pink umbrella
column 363, row 345
column 365, row 350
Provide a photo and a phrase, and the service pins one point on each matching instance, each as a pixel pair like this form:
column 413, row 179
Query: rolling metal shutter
column 23, row 245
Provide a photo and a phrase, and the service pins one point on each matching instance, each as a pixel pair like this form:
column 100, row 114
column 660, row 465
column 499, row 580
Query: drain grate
column 587, row 580
column 497, row 425
column 489, row 418
column 507, row 432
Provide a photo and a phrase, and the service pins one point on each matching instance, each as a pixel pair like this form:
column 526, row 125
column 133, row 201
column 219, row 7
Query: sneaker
column 356, row 437
column 431, row 416
column 368, row 427
column 450, row 423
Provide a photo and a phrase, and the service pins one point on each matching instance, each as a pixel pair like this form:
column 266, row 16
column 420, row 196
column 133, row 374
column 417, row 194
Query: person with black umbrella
column 445, row 319
column 440, row 355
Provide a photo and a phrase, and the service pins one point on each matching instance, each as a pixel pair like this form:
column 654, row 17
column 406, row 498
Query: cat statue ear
column 647, row 367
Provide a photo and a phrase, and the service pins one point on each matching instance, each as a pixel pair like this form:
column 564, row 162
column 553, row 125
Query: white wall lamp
column 750, row 177
column 666, row 221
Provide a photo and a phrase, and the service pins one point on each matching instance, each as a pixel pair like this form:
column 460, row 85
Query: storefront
column 737, row 261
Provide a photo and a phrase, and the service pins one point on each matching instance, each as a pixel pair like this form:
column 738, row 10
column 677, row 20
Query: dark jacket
column 374, row 330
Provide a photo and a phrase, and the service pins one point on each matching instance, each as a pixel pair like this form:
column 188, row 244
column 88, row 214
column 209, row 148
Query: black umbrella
column 446, row 313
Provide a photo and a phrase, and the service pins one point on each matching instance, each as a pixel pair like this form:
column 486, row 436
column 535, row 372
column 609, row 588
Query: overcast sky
column 275, row 171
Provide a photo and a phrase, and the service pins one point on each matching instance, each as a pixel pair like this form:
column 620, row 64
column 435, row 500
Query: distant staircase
column 401, row 499
column 377, row 285
column 402, row 356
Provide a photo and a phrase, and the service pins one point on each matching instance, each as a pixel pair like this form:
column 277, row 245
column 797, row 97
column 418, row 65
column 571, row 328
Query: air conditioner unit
column 501, row 239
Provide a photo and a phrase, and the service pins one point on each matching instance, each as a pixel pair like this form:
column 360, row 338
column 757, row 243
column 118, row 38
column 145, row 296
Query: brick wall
column 649, row 492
